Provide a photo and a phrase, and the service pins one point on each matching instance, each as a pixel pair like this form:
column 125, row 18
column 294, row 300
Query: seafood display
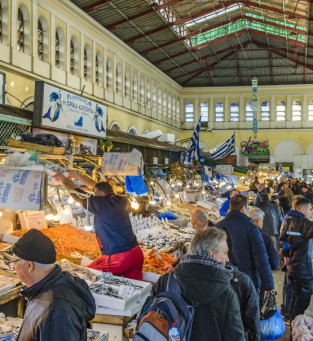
column 78, row 270
column 156, row 261
column 9, row 327
column 69, row 240
column 93, row 335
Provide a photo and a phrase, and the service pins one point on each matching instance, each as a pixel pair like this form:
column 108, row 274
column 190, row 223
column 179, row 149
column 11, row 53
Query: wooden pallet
column 40, row 148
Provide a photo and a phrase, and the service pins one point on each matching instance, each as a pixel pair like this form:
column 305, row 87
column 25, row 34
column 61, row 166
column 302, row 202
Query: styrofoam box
column 131, row 311
column 120, row 304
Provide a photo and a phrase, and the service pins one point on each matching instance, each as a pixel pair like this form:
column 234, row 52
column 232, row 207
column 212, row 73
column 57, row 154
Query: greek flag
column 193, row 153
column 226, row 149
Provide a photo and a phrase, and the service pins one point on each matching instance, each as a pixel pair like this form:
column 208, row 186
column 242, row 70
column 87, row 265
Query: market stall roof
column 12, row 114
column 216, row 42
column 123, row 137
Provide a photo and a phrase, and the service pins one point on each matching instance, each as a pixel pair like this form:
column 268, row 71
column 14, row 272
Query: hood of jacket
column 71, row 290
column 201, row 283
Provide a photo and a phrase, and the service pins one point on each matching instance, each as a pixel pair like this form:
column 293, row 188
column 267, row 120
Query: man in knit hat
column 59, row 305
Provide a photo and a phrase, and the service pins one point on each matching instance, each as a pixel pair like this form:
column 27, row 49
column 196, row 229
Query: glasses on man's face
column 11, row 264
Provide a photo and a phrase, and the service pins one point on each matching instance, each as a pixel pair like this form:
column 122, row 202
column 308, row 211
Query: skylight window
column 215, row 14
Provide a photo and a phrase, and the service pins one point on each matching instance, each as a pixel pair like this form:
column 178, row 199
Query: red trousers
column 128, row 264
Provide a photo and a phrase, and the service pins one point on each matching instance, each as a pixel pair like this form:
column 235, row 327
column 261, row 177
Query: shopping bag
column 269, row 305
column 273, row 328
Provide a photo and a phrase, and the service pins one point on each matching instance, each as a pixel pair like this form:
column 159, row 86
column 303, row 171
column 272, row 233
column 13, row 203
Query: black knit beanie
column 35, row 246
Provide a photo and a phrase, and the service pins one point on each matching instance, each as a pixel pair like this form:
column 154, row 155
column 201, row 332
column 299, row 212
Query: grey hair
column 198, row 214
column 206, row 240
column 255, row 213
column 44, row 266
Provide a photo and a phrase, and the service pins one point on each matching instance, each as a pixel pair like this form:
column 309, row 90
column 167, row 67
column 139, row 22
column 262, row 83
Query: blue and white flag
column 225, row 150
column 193, row 152
column 281, row 170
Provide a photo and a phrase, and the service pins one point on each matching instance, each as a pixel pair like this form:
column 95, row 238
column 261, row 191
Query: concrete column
column 305, row 108
column 273, row 108
column 52, row 40
column 93, row 62
column 242, row 109
column 34, row 31
column 13, row 23
column 289, row 108
column 68, row 48
column 226, row 109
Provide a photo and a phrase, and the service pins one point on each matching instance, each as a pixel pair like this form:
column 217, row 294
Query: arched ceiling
column 216, row 42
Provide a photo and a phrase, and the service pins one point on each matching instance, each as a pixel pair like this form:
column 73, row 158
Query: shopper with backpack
column 200, row 285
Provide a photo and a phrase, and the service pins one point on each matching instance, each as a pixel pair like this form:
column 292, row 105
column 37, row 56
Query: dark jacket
column 308, row 195
column 284, row 203
column 58, row 309
column 298, row 232
column 217, row 317
column 249, row 304
column 257, row 199
column 272, row 218
column 249, row 248
column 273, row 256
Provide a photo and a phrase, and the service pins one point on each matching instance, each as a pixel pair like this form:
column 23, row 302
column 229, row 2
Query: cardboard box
column 33, row 220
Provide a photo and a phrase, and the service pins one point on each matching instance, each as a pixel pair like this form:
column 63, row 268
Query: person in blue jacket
column 248, row 243
column 225, row 206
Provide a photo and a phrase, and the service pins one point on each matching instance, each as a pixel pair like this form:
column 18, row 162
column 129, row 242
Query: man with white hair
column 205, row 282
column 59, row 305
column 257, row 218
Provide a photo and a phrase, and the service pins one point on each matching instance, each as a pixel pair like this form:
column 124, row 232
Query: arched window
column 234, row 111
column 43, row 40
column 154, row 97
column 142, row 91
column 118, row 82
column 59, row 48
column 132, row 131
column 249, row 112
column 281, row 111
column 310, row 111
column 219, row 111
column 4, row 21
column 265, row 111
column 87, row 63
column 159, row 100
column 189, row 112
column 127, row 84
column 174, row 108
column 164, row 104
column 296, row 110
column 23, row 36
column 204, row 113
column 98, row 69
column 109, row 70
column 74, row 57
column 169, row 106
column 115, row 126
column 135, row 87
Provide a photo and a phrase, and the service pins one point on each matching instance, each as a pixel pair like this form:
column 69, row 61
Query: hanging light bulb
column 187, row 186
column 203, row 191
column 152, row 202
column 49, row 216
column 151, row 183
column 70, row 200
column 168, row 203
column 1, row 214
column 88, row 227
column 134, row 204
column 66, row 211
column 176, row 195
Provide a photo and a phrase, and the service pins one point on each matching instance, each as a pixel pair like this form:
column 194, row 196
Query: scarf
column 207, row 260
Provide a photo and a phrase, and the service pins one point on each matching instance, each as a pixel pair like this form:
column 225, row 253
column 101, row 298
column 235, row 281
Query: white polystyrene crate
column 121, row 304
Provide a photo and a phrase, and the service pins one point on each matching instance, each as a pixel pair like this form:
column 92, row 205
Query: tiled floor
column 279, row 280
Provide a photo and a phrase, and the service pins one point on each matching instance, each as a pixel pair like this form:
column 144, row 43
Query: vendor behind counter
column 121, row 253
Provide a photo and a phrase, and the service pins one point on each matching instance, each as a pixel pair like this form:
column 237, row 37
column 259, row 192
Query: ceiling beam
column 211, row 27
column 115, row 25
column 167, row 4
column 95, row 5
column 308, row 66
column 177, row 22
column 200, row 70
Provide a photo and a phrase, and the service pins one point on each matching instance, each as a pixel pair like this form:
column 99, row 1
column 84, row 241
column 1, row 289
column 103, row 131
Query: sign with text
column 21, row 189
column 62, row 110
column 122, row 163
